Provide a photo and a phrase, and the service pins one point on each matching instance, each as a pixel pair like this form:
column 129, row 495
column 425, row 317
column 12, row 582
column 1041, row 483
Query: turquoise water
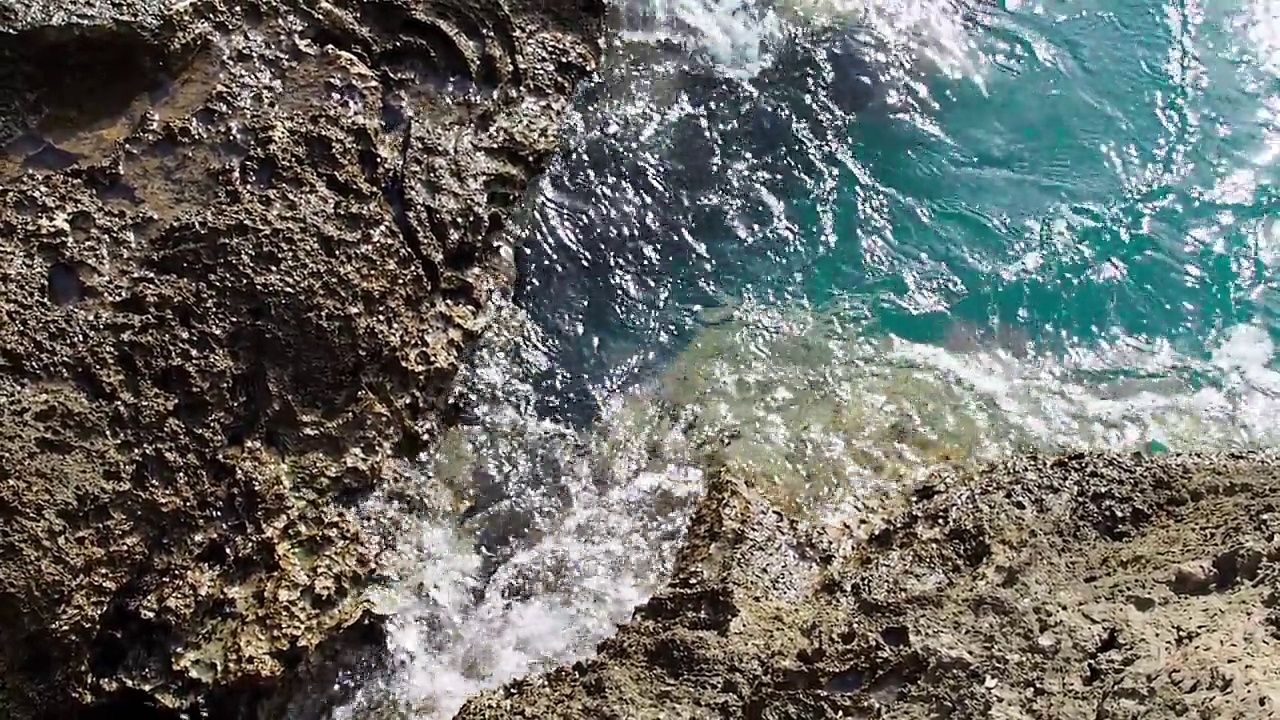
column 1098, row 170
column 1090, row 192
column 1041, row 225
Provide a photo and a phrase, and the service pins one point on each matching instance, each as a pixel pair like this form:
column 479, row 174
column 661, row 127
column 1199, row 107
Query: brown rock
column 246, row 246
column 1081, row 586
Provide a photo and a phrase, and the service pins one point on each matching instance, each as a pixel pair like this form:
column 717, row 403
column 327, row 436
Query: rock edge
column 247, row 246
column 1079, row 586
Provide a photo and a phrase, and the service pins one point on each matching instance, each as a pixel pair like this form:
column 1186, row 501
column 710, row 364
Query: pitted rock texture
column 246, row 246
column 1080, row 586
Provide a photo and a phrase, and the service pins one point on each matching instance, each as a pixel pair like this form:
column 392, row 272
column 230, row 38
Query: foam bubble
column 815, row 402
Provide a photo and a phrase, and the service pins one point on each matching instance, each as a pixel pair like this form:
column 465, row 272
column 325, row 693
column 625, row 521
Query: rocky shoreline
column 1054, row 584
column 248, row 245
column 1073, row 586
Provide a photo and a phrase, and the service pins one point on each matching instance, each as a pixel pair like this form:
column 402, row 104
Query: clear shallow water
column 1042, row 225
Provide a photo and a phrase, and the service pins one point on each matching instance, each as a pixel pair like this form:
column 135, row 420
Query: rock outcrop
column 246, row 246
column 1076, row 586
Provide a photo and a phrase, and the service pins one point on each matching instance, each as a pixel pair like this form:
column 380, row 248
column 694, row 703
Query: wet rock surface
column 1073, row 586
column 247, row 246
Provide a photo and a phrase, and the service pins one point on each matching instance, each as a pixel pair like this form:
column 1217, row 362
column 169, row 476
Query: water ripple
column 843, row 241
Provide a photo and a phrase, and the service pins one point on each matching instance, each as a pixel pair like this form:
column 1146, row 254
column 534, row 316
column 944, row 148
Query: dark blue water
column 1099, row 170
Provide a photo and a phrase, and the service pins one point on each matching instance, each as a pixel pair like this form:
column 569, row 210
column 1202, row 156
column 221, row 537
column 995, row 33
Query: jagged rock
column 247, row 245
column 1078, row 586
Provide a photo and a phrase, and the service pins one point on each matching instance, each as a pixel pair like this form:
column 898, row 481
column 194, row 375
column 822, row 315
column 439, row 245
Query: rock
column 1072, row 586
column 247, row 245
column 48, row 48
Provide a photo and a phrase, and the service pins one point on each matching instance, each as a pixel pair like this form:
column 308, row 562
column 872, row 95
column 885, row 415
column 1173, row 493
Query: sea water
column 862, row 239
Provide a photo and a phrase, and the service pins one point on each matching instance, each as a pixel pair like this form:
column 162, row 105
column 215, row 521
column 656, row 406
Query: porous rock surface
column 246, row 245
column 1077, row 586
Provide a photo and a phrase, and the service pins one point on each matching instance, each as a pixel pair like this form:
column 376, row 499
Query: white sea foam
column 597, row 518
column 601, row 529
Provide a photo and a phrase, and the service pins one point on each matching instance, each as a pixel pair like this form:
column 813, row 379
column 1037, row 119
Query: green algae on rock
column 247, row 247
column 1087, row 585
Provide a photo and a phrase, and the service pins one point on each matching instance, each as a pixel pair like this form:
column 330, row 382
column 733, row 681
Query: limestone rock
column 247, row 245
column 1077, row 586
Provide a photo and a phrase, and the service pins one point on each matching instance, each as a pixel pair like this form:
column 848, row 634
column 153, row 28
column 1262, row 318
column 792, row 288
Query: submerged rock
column 247, row 246
column 824, row 405
column 1075, row 586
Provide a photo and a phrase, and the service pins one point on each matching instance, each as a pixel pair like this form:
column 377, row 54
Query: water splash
column 707, row 199
column 582, row 526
